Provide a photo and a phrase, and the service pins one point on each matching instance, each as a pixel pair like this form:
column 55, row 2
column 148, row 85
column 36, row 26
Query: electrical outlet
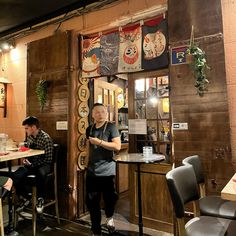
column 180, row 126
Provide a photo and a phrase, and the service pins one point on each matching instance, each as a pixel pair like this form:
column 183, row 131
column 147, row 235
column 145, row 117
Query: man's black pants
column 22, row 185
column 95, row 187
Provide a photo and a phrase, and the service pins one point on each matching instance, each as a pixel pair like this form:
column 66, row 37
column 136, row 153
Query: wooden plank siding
column 208, row 131
column 48, row 59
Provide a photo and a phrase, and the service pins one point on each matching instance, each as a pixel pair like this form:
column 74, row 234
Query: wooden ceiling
column 16, row 15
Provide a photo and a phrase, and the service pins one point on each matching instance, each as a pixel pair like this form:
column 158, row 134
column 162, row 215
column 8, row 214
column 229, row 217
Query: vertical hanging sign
column 2, row 95
column 3, row 98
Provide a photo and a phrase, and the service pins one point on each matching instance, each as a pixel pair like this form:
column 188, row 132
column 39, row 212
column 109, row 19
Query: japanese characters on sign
column 83, row 80
column 2, row 95
column 82, row 125
column 82, row 160
column 83, row 93
column 83, row 112
column 83, row 109
column 82, row 142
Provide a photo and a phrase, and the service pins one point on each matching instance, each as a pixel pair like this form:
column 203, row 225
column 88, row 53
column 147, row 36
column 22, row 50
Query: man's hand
column 95, row 141
column 26, row 162
column 114, row 145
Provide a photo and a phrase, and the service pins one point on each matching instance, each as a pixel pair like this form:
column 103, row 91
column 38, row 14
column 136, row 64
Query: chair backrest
column 183, row 188
column 196, row 163
column 55, row 152
column 53, row 173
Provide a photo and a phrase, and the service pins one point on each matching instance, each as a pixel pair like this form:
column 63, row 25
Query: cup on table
column 147, row 150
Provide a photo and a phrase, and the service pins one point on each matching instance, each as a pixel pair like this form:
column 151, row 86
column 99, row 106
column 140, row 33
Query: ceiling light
column 5, row 46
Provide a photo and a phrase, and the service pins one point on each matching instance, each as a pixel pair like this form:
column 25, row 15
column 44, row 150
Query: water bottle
column 3, row 143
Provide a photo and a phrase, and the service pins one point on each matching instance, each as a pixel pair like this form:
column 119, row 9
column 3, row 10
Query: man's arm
column 45, row 144
column 48, row 148
column 114, row 145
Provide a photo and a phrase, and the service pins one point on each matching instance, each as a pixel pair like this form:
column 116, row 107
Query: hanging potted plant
column 41, row 92
column 199, row 66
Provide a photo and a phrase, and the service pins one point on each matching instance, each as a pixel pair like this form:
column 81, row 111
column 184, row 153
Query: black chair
column 210, row 205
column 54, row 201
column 183, row 188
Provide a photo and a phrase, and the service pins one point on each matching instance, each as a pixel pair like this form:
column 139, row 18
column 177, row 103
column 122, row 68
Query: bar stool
column 210, row 205
column 32, row 181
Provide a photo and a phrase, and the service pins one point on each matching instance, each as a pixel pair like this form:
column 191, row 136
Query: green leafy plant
column 198, row 65
column 41, row 92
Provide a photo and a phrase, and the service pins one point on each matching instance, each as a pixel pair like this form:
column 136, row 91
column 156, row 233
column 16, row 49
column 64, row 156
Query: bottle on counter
column 3, row 143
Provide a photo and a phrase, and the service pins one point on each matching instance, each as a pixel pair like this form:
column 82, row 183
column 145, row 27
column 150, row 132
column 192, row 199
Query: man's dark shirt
column 41, row 142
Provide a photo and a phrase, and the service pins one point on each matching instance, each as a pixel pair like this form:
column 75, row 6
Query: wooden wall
column 208, row 116
column 48, row 59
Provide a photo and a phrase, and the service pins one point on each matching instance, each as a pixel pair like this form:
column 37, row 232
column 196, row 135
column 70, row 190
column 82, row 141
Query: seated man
column 37, row 165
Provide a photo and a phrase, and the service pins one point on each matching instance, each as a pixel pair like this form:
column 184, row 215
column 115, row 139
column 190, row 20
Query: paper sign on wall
column 137, row 126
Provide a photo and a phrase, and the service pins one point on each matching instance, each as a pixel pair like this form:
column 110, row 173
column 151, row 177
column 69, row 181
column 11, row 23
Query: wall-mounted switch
column 180, row 126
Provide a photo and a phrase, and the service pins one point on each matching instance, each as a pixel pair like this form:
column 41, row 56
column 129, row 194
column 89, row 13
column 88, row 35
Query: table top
column 14, row 155
column 139, row 158
column 229, row 191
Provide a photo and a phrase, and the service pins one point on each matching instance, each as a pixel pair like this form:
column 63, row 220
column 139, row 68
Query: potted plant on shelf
column 199, row 66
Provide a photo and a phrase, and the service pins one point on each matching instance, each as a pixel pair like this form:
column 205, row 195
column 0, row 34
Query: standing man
column 104, row 139
column 38, row 165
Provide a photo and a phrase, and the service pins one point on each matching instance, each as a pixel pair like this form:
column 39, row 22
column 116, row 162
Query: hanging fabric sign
column 154, row 45
column 109, row 53
column 91, row 57
column 130, row 50
column 135, row 48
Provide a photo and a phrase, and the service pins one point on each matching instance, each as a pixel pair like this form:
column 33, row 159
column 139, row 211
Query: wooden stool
column 32, row 181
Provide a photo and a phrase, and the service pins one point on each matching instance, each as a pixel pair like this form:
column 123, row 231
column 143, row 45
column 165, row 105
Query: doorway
column 144, row 96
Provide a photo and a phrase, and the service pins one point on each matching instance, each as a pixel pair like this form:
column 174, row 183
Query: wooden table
column 138, row 159
column 18, row 154
column 229, row 191
column 10, row 156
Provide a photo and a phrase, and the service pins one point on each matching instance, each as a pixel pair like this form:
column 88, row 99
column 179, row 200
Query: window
column 151, row 102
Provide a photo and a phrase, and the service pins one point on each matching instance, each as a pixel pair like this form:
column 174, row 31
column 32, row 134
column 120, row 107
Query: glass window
column 140, row 108
column 151, row 102
column 139, row 88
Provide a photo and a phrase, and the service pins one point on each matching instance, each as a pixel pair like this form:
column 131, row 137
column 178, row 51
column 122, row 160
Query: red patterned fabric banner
column 130, row 50
column 91, row 57
column 135, row 48
column 154, row 45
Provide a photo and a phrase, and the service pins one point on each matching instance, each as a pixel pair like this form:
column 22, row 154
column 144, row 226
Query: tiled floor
column 48, row 225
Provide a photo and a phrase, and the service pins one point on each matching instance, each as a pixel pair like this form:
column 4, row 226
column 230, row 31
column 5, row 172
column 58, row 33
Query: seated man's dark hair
column 31, row 120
